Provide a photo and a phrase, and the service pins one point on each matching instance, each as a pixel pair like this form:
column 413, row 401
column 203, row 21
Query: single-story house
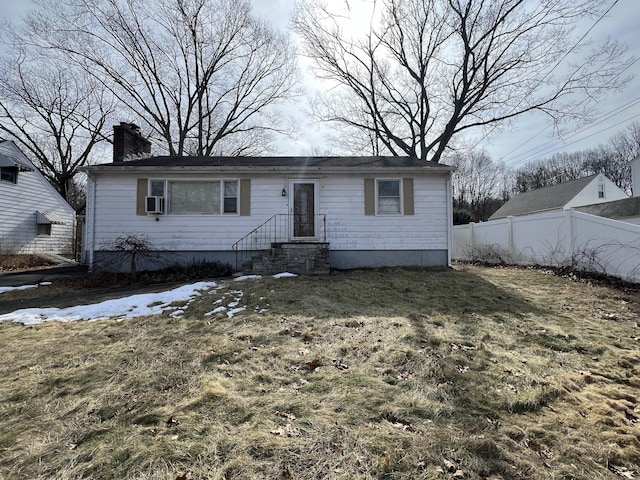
column 34, row 217
column 356, row 211
column 624, row 210
column 590, row 190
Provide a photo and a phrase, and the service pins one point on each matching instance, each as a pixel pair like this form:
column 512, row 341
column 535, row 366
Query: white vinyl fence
column 565, row 239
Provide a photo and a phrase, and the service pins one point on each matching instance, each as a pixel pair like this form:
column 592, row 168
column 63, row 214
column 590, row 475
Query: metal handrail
column 277, row 229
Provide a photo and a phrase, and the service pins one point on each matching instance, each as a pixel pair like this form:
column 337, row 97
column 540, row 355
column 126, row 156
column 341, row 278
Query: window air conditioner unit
column 154, row 204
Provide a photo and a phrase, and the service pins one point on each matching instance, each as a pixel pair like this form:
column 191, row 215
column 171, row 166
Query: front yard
column 474, row 372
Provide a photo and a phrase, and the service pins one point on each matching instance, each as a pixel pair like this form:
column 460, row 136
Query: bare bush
column 129, row 248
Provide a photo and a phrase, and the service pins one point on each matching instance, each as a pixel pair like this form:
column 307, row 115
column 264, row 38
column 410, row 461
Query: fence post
column 572, row 242
column 512, row 247
column 472, row 240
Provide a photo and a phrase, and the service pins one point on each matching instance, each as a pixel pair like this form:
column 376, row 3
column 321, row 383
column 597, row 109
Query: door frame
column 316, row 201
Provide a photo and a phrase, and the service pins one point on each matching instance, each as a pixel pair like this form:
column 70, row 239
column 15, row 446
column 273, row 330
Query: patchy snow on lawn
column 258, row 277
column 284, row 275
column 247, row 277
column 22, row 287
column 136, row 305
column 127, row 307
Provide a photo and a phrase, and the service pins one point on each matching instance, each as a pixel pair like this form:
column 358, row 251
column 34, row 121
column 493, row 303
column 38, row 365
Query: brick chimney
column 128, row 143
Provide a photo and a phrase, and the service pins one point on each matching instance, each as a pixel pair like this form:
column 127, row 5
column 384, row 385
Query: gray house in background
column 34, row 217
column 592, row 190
column 625, row 210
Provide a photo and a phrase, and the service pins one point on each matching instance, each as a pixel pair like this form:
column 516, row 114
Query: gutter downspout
column 90, row 223
column 449, row 219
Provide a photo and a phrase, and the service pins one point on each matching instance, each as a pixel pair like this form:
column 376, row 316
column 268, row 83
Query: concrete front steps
column 303, row 258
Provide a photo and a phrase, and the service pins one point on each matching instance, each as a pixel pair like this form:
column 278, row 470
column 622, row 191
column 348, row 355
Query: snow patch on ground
column 23, row 287
column 137, row 305
column 284, row 275
column 247, row 277
column 127, row 307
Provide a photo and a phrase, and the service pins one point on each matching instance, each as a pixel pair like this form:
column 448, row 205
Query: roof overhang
column 154, row 170
column 48, row 217
column 12, row 161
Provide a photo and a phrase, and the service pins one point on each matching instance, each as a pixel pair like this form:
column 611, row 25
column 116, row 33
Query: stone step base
column 300, row 258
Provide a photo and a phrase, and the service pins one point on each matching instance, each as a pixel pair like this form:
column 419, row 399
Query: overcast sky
column 530, row 137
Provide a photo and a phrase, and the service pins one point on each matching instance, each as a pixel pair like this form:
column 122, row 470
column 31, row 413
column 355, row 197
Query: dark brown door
column 304, row 210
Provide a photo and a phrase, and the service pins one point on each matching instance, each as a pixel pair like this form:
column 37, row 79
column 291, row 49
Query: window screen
column 194, row 197
column 389, row 197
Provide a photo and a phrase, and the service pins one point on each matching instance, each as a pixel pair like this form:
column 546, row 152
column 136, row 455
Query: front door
column 304, row 218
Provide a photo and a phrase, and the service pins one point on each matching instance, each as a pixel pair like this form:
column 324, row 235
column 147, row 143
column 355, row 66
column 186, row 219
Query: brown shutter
column 407, row 196
column 245, row 197
column 143, row 189
column 369, row 196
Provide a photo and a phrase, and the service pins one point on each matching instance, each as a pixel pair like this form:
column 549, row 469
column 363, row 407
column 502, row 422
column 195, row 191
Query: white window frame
column 223, row 196
column 164, row 187
column 400, row 193
column 601, row 191
column 221, row 181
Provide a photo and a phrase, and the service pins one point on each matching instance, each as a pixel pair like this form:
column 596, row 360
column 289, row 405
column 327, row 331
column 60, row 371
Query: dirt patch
column 12, row 263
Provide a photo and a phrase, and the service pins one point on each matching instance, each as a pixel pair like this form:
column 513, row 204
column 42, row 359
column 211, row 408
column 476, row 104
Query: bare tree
column 479, row 183
column 428, row 70
column 612, row 159
column 204, row 75
column 622, row 148
column 54, row 113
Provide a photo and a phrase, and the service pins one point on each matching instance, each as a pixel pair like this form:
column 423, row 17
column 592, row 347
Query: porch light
column 284, row 192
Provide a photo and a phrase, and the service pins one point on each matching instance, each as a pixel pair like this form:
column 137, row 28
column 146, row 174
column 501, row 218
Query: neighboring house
column 359, row 211
column 585, row 224
column 564, row 196
column 625, row 210
column 34, row 217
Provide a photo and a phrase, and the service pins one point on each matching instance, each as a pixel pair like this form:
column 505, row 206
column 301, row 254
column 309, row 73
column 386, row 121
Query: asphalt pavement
column 32, row 277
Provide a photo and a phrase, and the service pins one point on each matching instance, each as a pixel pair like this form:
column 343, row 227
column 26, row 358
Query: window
column 601, row 190
column 44, row 229
column 194, row 197
column 9, row 174
column 388, row 197
column 157, row 188
column 214, row 197
column 230, row 196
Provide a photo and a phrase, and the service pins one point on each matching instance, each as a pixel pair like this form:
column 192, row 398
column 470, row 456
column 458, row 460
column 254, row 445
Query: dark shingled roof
column 628, row 207
column 285, row 162
column 541, row 199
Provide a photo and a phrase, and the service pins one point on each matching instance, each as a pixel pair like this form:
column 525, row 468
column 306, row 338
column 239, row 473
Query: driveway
column 32, row 277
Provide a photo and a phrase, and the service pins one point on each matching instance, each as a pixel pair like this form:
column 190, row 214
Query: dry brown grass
column 413, row 374
column 10, row 262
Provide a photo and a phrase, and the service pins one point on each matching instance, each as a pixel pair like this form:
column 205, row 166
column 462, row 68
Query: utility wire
column 580, row 139
column 540, row 150
column 575, row 45
column 595, row 122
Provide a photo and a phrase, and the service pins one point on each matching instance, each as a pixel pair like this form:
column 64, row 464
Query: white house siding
column 19, row 203
column 359, row 240
column 341, row 198
column 589, row 194
column 115, row 216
